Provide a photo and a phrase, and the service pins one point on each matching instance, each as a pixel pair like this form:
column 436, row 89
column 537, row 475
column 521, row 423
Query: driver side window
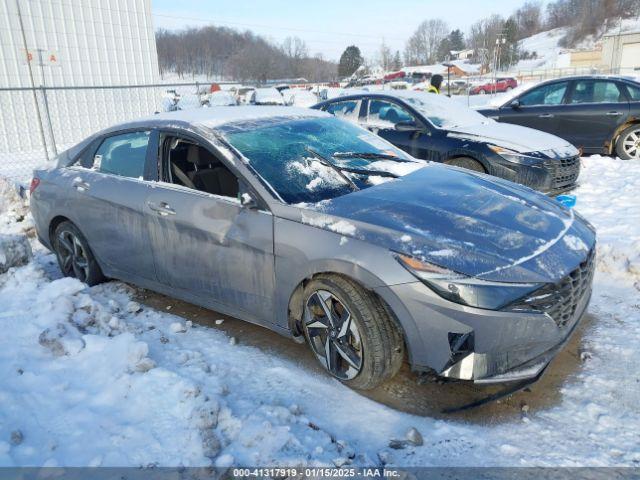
column 552, row 94
column 384, row 114
column 194, row 166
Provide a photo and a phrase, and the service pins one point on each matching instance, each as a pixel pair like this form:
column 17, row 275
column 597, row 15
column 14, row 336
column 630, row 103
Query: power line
column 273, row 27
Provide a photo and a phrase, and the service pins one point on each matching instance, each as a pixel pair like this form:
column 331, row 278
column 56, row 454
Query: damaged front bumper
column 482, row 346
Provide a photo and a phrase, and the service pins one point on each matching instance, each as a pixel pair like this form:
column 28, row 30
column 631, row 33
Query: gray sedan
column 317, row 229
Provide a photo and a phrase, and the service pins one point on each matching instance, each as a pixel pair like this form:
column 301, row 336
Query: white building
column 73, row 43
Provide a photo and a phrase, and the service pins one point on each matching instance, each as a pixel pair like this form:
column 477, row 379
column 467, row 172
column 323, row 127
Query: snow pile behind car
column 92, row 378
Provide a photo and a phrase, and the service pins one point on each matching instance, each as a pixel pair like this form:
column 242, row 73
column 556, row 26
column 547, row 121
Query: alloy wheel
column 333, row 335
column 631, row 144
column 72, row 256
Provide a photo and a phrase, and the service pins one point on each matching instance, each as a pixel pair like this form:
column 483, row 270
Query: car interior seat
column 209, row 175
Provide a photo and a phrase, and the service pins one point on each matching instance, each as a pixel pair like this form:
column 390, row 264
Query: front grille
column 560, row 301
column 565, row 172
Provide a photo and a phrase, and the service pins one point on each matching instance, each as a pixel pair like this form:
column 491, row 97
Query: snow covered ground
column 89, row 377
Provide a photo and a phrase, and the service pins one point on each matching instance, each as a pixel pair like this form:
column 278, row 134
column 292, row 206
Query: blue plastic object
column 568, row 201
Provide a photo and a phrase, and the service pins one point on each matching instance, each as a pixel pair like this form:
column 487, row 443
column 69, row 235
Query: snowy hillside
column 548, row 51
column 105, row 376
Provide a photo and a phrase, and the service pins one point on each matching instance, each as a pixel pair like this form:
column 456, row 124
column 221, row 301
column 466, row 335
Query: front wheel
column 351, row 332
column 466, row 162
column 75, row 258
column 628, row 144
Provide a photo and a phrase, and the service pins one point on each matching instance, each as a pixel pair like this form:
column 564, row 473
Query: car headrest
column 200, row 156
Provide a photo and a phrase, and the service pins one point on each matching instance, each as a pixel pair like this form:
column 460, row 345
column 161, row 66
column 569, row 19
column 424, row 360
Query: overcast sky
column 328, row 26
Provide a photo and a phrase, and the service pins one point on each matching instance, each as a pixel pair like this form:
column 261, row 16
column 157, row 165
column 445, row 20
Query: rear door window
column 124, row 155
column 597, row 91
column 385, row 114
column 634, row 92
column 551, row 94
column 348, row 110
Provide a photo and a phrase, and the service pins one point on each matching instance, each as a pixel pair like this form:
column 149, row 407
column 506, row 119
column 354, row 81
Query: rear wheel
column 628, row 144
column 351, row 332
column 466, row 162
column 75, row 258
column 482, row 92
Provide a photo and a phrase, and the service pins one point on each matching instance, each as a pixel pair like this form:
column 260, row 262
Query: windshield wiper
column 370, row 156
column 335, row 168
column 361, row 171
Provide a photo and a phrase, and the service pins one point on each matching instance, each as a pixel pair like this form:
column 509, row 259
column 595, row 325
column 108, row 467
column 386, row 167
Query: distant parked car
column 221, row 98
column 456, row 87
column 434, row 127
column 299, row 97
column 266, row 96
column 244, row 95
column 597, row 114
column 503, row 84
column 321, row 231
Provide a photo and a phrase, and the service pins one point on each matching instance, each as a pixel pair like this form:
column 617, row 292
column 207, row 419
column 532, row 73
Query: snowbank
column 608, row 197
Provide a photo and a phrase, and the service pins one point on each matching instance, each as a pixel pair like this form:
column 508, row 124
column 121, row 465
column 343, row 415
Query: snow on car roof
column 215, row 117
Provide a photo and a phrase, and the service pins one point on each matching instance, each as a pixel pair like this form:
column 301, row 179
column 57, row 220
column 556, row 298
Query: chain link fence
column 38, row 123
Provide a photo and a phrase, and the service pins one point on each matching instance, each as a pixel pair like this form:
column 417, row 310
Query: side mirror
column 515, row 104
column 407, row 127
column 247, row 201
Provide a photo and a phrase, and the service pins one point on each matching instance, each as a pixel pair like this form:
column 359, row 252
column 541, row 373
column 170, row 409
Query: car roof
column 214, row 117
column 591, row 77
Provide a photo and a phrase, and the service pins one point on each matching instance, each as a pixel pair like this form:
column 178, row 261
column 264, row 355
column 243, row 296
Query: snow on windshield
column 313, row 159
column 442, row 111
column 318, row 174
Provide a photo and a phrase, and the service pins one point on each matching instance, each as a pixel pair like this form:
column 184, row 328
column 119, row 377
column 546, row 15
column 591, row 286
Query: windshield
column 444, row 112
column 307, row 160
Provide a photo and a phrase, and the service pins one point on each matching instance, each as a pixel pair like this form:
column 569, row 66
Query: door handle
column 163, row 208
column 80, row 185
column 614, row 114
column 546, row 115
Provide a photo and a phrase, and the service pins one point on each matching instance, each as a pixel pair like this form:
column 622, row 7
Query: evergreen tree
column 456, row 40
column 350, row 61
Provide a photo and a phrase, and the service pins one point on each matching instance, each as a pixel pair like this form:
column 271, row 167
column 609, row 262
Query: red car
column 503, row 84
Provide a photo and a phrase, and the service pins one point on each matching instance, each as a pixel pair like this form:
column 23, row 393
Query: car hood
column 514, row 137
column 467, row 222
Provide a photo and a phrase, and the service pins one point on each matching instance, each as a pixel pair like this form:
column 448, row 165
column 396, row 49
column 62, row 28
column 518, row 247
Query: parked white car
column 244, row 94
column 222, row 98
column 299, row 97
column 267, row 96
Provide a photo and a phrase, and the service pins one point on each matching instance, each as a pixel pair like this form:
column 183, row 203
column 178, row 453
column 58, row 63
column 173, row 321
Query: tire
column 482, row 92
column 628, row 143
column 508, row 89
column 468, row 163
column 74, row 255
column 360, row 328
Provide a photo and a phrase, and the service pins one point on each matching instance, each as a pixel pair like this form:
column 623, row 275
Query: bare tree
column 422, row 46
column 225, row 53
column 385, row 56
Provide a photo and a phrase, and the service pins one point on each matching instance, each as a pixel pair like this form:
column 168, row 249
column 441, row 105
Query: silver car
column 320, row 230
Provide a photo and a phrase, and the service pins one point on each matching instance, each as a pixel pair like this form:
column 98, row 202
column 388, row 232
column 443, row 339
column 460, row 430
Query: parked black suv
column 598, row 114
column 434, row 127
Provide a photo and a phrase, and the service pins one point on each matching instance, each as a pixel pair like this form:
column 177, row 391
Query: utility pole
column 46, row 101
column 33, row 86
column 501, row 39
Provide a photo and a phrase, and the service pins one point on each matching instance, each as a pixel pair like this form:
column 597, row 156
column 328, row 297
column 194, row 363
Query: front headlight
column 515, row 157
column 466, row 290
